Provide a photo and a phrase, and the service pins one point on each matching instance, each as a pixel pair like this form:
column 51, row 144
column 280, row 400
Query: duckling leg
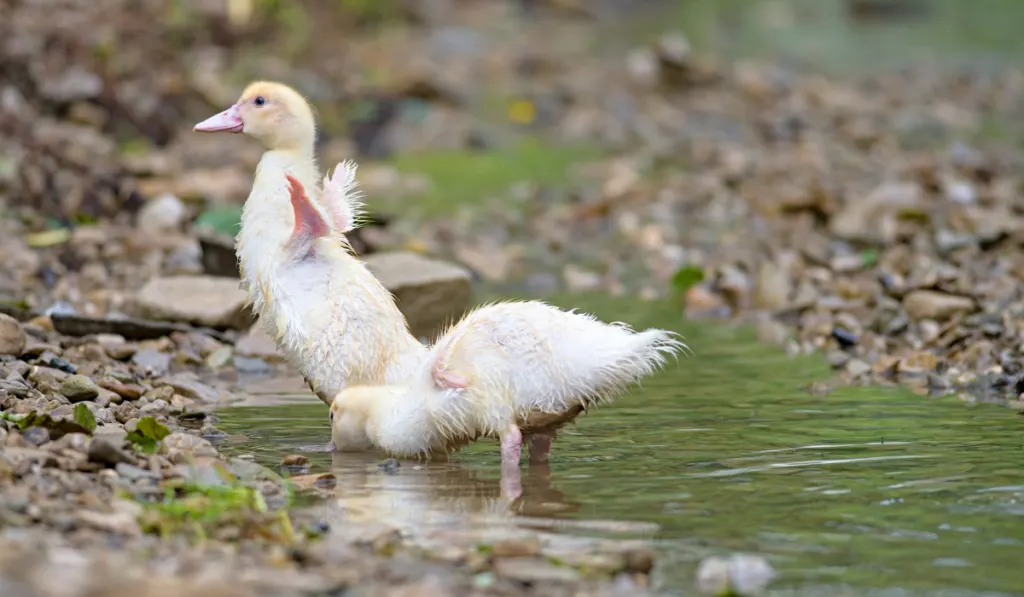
column 540, row 447
column 511, row 448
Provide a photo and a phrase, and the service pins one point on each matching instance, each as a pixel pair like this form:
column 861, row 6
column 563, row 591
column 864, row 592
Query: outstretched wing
column 341, row 197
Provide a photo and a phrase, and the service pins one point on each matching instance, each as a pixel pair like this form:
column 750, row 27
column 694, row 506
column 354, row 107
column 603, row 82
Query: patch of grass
column 467, row 177
column 226, row 510
column 470, row 177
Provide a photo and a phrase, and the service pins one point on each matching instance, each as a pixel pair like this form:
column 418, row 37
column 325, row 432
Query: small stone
column 201, row 300
column 750, row 575
column 163, row 213
column 294, row 460
column 930, row 304
column 36, row 436
column 534, row 570
column 104, row 451
column 257, row 343
column 125, row 391
column 12, row 336
column 186, row 385
column 845, row 338
column 319, row 481
column 857, row 367
column 772, row 287
column 516, row 548
column 153, row 361
column 389, row 466
column 79, row 388
column 179, row 446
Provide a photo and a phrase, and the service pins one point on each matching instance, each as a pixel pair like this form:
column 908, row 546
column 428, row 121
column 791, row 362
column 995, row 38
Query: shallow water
column 862, row 489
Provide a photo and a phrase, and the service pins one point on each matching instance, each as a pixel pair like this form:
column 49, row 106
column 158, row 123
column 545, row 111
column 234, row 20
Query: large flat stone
column 430, row 292
column 201, row 300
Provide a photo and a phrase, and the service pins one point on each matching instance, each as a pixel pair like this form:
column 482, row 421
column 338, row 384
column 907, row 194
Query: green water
column 861, row 489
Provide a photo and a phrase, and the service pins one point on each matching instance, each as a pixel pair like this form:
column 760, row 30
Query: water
column 862, row 489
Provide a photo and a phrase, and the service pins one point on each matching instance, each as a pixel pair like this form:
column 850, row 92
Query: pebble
column 79, row 388
column 12, row 336
column 940, row 306
column 105, row 451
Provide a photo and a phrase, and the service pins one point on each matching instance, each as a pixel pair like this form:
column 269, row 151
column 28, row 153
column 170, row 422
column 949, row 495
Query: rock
column 187, row 385
column 163, row 213
column 128, row 328
column 153, row 361
column 201, row 300
column 79, row 388
column 218, row 255
column 103, row 450
column 319, row 481
column 741, row 575
column 178, row 447
column 534, row 570
column 294, row 460
column 12, row 336
column 257, row 343
column 772, row 287
column 73, row 84
column 47, row 379
column 122, row 523
column 930, row 304
column 429, row 292
column 516, row 548
column 125, row 391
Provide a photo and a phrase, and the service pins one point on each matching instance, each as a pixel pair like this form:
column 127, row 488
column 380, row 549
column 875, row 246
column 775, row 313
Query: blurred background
column 637, row 147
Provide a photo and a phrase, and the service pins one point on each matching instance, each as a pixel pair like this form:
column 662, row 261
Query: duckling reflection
column 417, row 494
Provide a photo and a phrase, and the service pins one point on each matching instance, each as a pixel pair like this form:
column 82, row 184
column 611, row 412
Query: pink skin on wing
column 228, row 121
column 309, row 223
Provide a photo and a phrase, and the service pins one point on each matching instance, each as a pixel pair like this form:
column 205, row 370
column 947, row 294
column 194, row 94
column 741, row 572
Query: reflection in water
column 867, row 488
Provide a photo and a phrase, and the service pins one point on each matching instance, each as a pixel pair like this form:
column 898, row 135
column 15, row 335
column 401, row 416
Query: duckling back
column 531, row 356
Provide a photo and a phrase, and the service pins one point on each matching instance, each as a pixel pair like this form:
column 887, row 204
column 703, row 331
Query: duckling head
column 275, row 114
column 390, row 417
column 350, row 413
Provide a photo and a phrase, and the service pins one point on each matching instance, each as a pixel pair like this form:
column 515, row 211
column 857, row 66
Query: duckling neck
column 400, row 422
column 335, row 322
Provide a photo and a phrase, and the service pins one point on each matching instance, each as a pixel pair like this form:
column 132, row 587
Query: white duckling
column 514, row 371
column 333, row 320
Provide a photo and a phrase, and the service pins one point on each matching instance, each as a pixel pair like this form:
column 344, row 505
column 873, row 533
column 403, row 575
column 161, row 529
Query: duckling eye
column 260, row 101
column 332, row 416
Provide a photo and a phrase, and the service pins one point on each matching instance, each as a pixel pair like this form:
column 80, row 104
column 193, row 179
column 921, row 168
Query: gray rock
column 12, row 336
column 429, row 292
column 179, row 446
column 161, row 214
column 153, row 361
column 188, row 386
column 201, row 300
column 103, row 450
column 257, row 343
column 79, row 388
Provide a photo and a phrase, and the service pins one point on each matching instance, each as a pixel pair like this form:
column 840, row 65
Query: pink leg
column 540, row 447
column 511, row 448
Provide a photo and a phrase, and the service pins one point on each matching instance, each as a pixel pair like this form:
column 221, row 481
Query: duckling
column 513, row 371
column 334, row 321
